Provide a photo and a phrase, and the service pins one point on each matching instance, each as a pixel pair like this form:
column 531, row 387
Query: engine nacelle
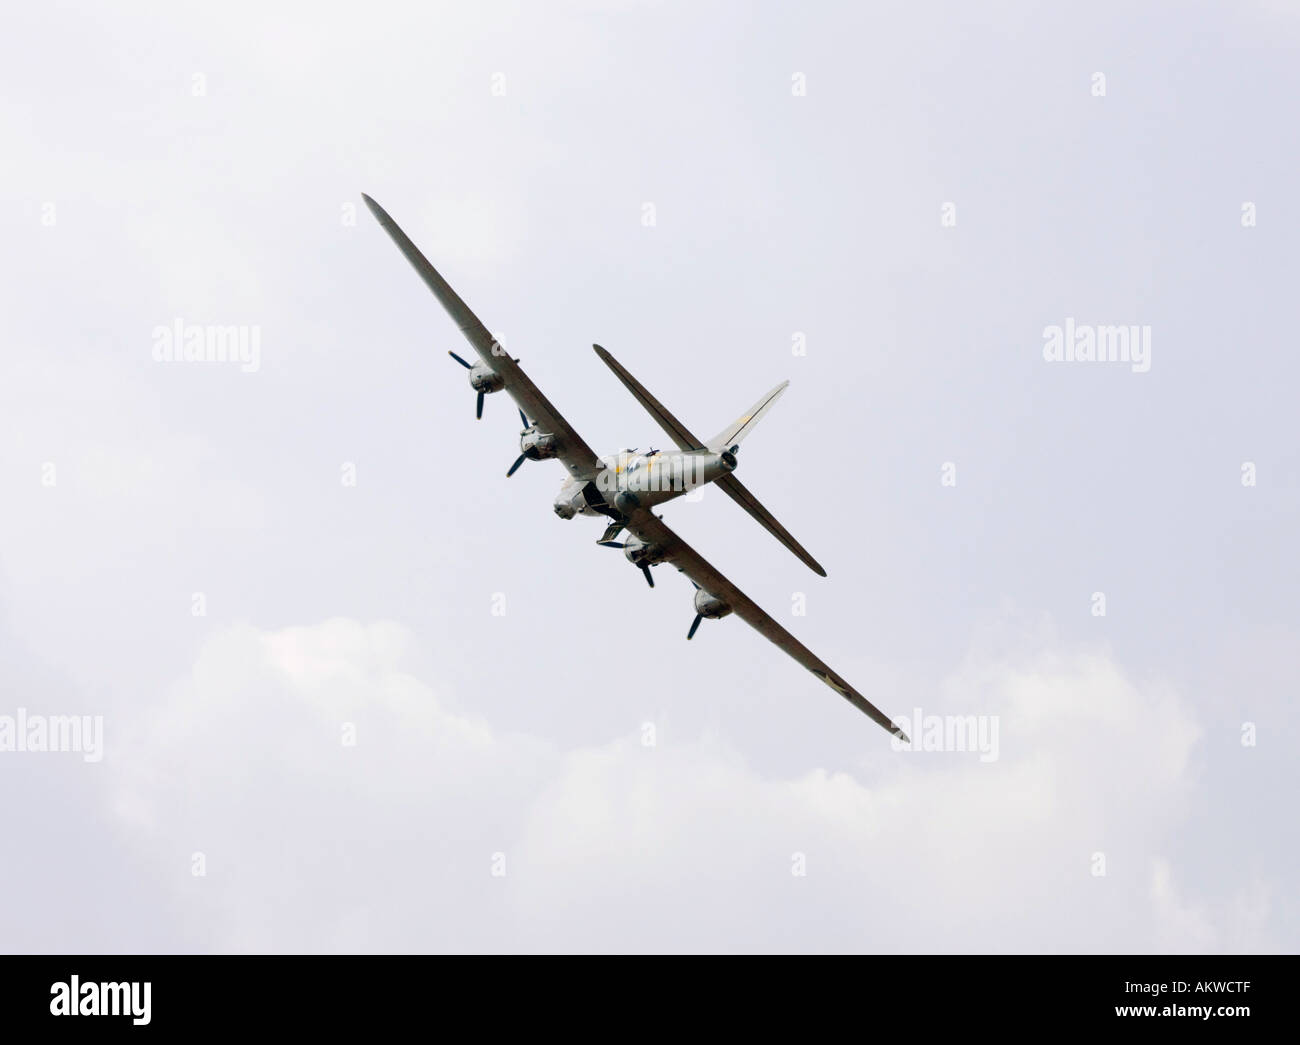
column 537, row 446
column 569, row 502
column 626, row 502
column 484, row 379
column 639, row 554
column 710, row 606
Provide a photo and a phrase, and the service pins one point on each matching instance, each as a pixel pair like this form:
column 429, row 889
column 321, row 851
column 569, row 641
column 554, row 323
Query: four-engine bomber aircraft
column 624, row 487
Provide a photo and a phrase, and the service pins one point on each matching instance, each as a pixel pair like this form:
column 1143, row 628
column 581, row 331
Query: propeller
column 645, row 566
column 522, row 457
column 694, row 624
column 478, row 406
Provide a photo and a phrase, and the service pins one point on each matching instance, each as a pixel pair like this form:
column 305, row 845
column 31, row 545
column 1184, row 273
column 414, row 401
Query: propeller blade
column 691, row 634
column 648, row 579
column 524, row 418
column 478, row 410
column 515, row 467
column 467, row 366
column 611, row 544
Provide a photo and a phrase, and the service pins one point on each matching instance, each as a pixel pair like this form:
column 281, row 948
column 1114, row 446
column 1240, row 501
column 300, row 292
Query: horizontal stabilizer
column 675, row 430
column 729, row 437
column 732, row 487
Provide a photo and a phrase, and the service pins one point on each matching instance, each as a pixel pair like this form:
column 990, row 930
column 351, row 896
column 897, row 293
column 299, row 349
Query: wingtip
column 809, row 561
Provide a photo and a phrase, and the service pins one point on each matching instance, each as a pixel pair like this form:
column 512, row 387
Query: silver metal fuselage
column 632, row 480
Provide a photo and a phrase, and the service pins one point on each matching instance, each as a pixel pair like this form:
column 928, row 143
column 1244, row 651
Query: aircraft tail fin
column 732, row 436
column 727, row 439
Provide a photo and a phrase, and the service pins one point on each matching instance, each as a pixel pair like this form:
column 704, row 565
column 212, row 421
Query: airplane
column 625, row 487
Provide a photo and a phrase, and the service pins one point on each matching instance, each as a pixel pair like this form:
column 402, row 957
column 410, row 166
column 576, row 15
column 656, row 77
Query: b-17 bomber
column 624, row 488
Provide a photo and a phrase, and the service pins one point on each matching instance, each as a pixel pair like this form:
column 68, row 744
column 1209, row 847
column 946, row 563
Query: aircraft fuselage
column 632, row 480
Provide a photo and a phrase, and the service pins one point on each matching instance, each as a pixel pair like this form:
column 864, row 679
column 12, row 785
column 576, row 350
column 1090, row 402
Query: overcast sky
column 317, row 733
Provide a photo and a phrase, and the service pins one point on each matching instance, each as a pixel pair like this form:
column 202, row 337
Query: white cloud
column 312, row 845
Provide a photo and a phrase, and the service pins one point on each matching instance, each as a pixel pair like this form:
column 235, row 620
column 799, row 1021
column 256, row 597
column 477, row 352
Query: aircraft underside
column 625, row 487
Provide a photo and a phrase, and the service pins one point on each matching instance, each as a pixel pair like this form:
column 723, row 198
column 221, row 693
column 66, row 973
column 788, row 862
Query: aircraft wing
column 651, row 529
column 575, row 454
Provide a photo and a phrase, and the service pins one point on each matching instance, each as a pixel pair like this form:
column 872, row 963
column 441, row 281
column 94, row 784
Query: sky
column 354, row 690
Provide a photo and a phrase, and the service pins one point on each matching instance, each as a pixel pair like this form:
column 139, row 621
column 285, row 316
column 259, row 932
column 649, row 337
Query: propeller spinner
column 483, row 379
column 535, row 445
